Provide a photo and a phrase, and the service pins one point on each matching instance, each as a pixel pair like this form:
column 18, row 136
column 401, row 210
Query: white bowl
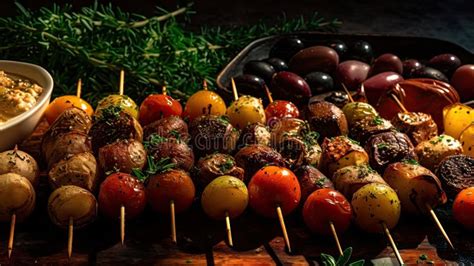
column 18, row 128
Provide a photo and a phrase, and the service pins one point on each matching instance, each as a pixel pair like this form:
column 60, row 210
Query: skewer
column 163, row 90
column 228, row 229
column 399, row 103
column 204, row 84
column 336, row 238
column 122, row 82
column 70, row 237
column 392, row 243
column 12, row 235
column 269, row 94
column 283, row 228
column 122, row 224
column 348, row 93
column 79, row 88
column 234, row 89
column 440, row 226
column 173, row 222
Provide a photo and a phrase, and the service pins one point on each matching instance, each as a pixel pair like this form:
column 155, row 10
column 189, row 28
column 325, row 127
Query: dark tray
column 420, row 48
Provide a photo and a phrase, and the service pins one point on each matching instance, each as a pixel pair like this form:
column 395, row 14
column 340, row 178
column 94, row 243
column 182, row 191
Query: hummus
column 17, row 95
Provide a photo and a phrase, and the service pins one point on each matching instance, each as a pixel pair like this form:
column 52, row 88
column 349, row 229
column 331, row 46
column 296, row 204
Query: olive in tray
column 216, row 165
column 431, row 152
column 349, row 179
column 417, row 187
column 339, row 152
column 253, row 157
column 389, row 147
column 210, row 133
column 168, row 127
column 326, row 118
column 456, row 172
column 113, row 124
column 122, row 156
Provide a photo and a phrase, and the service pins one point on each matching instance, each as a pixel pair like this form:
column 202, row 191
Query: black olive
column 340, row 47
column 410, row 66
column 362, row 51
column 260, row 69
column 277, row 63
column 250, row 85
column 319, row 82
column 338, row 98
column 286, row 47
column 431, row 73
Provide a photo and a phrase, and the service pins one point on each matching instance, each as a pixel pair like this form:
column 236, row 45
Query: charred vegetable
column 418, row 126
column 177, row 151
column 456, row 173
column 363, row 129
column 339, row 152
column 215, row 165
column 253, row 157
column 168, row 127
column 122, row 156
column 256, row 133
column 311, row 179
column 326, row 119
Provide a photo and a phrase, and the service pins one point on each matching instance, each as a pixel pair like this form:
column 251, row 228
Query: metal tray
column 420, row 48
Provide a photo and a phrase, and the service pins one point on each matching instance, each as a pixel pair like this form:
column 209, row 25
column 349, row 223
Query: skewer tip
column 234, row 89
column 204, row 84
column 347, row 92
column 392, row 243
column 70, row 237
column 228, row 230
column 173, row 223
column 440, row 226
column 12, row 235
column 283, row 228
column 122, row 224
column 269, row 94
column 336, row 238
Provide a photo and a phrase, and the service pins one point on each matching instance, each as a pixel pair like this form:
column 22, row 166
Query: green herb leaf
column 328, row 260
column 346, row 256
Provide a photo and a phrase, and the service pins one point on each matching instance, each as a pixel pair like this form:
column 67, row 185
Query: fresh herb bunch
column 328, row 260
column 99, row 40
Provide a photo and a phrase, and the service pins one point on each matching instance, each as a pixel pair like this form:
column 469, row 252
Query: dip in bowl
column 25, row 92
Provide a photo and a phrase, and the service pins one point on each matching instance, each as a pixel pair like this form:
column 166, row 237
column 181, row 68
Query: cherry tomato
column 173, row 185
column 60, row 104
column 324, row 206
column 204, row 103
column 463, row 208
column 123, row 101
column 246, row 110
column 225, row 194
column 274, row 186
column 280, row 109
column 157, row 106
column 121, row 189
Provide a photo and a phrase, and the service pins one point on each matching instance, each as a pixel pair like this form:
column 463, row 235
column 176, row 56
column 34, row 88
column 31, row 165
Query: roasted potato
column 311, row 179
column 299, row 150
column 326, row 118
column 216, row 165
column 363, row 129
column 168, row 127
column 20, row 162
column 374, row 204
column 416, row 187
column 66, row 145
column 177, row 151
column 456, row 118
column 418, row 126
column 122, row 156
column 256, row 133
column 78, row 170
column 288, row 126
column 253, row 157
column 349, row 179
column 17, row 196
column 431, row 152
column 467, row 140
column 339, row 152
column 72, row 119
column 456, row 172
column 72, row 202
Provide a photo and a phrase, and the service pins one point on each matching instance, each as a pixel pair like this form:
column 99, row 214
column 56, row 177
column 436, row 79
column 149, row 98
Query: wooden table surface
column 201, row 241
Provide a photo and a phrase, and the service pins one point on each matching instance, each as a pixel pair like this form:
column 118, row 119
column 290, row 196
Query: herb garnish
column 227, row 165
column 153, row 140
column 377, row 120
column 329, row 260
column 153, row 167
column 411, row 161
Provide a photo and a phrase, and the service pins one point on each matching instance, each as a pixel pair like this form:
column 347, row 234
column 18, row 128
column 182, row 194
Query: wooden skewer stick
column 122, row 224
column 122, row 82
column 164, row 90
column 392, row 243
column 228, row 229
column 440, row 226
column 234, row 89
column 399, row 103
column 173, row 222
column 12, row 235
column 334, row 234
column 79, row 88
column 204, row 84
column 348, row 93
column 283, row 228
column 70, row 237
column 269, row 94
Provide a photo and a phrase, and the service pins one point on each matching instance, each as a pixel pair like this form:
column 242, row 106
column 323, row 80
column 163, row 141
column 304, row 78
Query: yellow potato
column 72, row 201
column 416, row 187
column 375, row 204
column 431, row 152
column 246, row 110
column 467, row 140
column 456, row 118
column 17, row 196
column 225, row 194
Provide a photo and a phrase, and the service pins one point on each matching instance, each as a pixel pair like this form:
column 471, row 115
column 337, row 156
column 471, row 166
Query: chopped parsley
column 153, row 167
column 227, row 165
column 382, row 145
column 377, row 120
column 411, row 161
column 153, row 140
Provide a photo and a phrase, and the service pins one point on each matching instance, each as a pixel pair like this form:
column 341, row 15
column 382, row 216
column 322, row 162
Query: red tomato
column 274, row 186
column 463, row 208
column 172, row 185
column 280, row 109
column 157, row 106
column 121, row 189
column 327, row 205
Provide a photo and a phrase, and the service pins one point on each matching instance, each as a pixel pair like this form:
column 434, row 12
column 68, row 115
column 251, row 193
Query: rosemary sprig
column 153, row 168
column 97, row 41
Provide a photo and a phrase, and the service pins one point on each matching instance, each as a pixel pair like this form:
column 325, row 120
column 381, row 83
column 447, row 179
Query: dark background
column 450, row 20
